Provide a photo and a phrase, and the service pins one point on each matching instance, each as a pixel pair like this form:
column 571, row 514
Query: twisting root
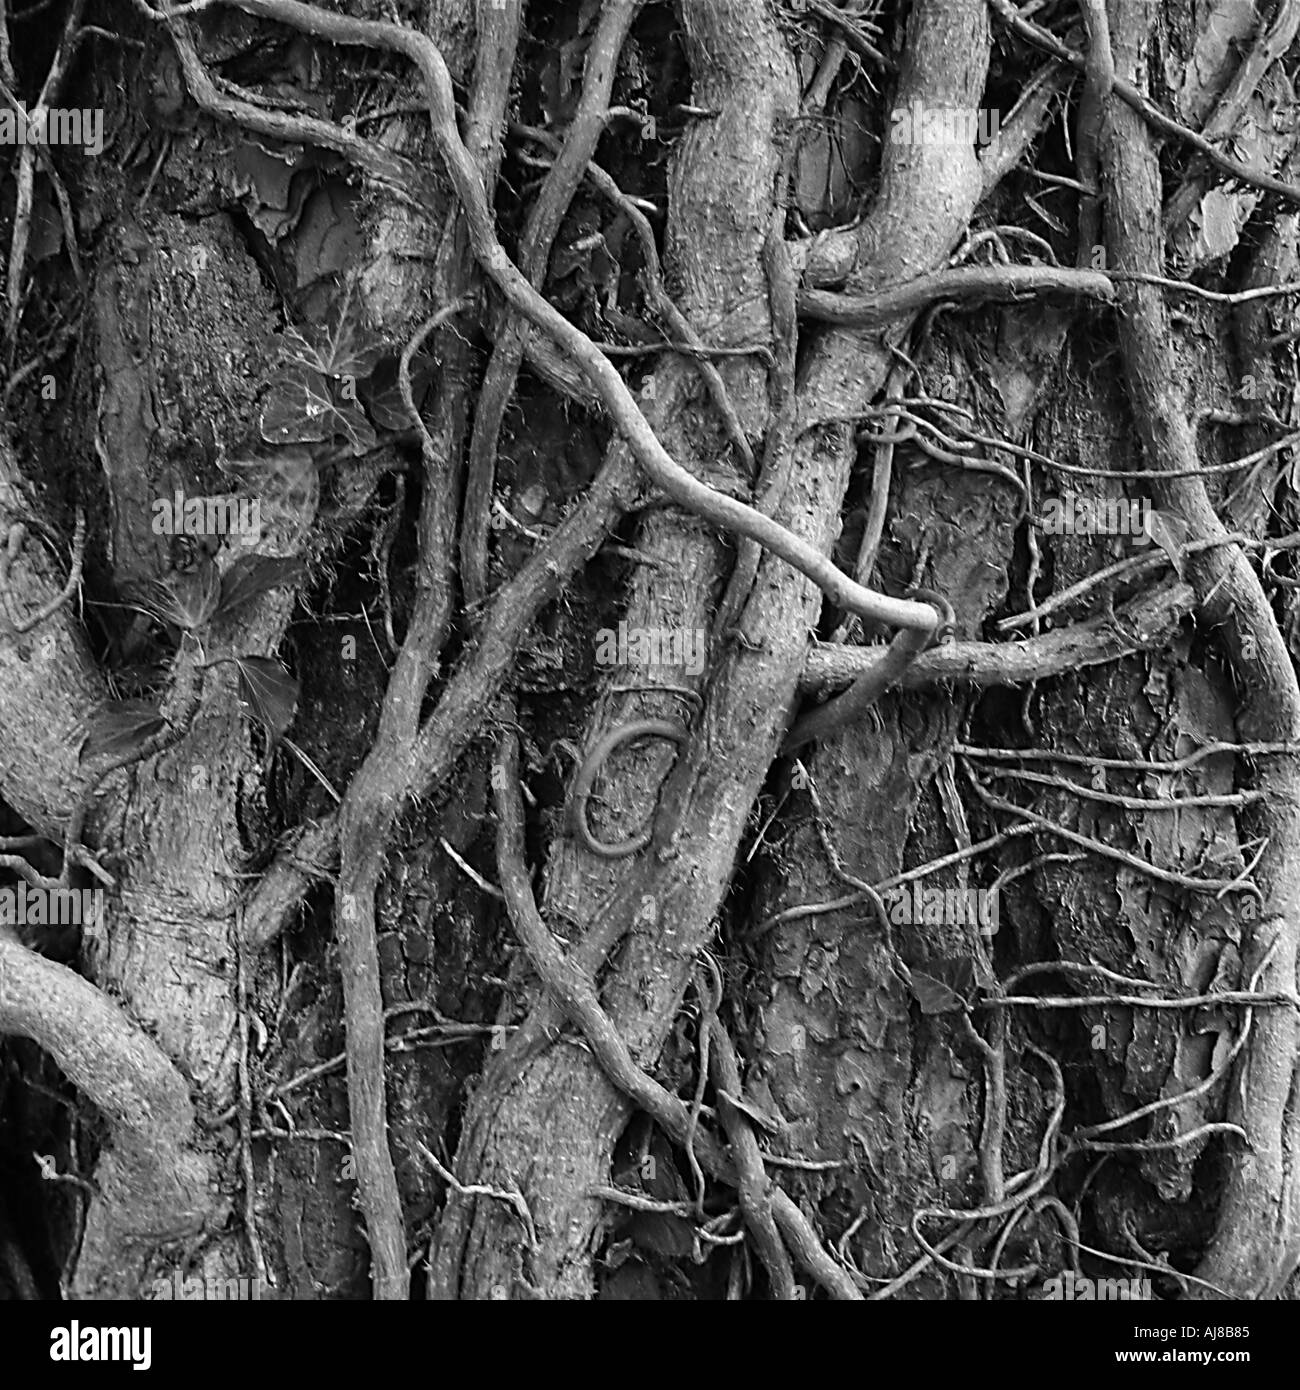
column 849, row 707
column 591, row 765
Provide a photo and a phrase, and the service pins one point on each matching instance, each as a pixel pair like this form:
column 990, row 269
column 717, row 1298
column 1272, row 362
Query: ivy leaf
column 119, row 727
column 186, row 599
column 349, row 350
column 352, row 424
column 383, row 396
column 299, row 409
column 946, row 985
column 268, row 691
column 304, row 408
column 251, row 576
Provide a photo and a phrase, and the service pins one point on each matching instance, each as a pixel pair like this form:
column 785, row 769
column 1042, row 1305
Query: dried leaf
column 328, row 238
column 946, row 985
column 1215, row 226
column 269, row 692
column 251, row 576
column 265, row 177
column 120, row 727
column 186, row 599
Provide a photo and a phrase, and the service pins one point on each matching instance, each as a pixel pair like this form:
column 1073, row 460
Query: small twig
column 850, row 26
column 513, row 1199
column 1202, row 1087
column 1156, row 1145
column 1189, row 760
column 1139, row 1001
column 1065, row 967
column 638, row 1201
column 1214, row 296
column 307, row 1136
column 804, row 910
column 1132, row 803
column 1207, row 470
column 311, row 767
column 993, row 1056
column 1129, row 568
column 710, row 1003
column 28, row 872
column 1015, row 1275
column 1154, row 1268
column 470, row 872
column 805, row 1165
column 1142, row 866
